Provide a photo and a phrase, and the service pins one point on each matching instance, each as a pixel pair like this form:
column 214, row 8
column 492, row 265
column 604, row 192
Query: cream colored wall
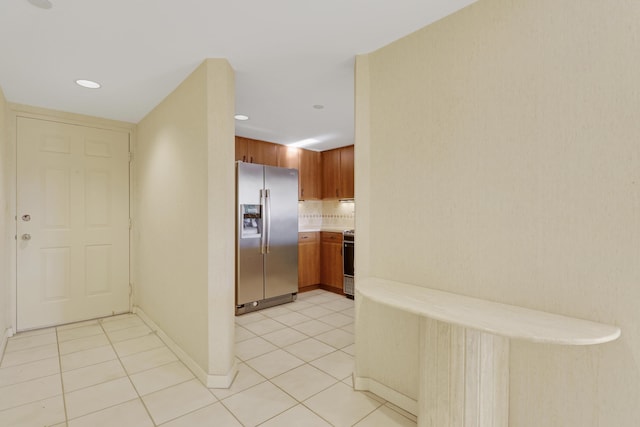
column 504, row 141
column 5, row 232
column 221, row 220
column 183, row 220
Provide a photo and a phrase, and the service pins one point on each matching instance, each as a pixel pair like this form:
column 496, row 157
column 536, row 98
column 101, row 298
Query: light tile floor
column 295, row 366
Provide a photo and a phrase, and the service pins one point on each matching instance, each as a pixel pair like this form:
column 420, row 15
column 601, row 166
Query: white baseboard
column 400, row 400
column 6, row 334
column 210, row 381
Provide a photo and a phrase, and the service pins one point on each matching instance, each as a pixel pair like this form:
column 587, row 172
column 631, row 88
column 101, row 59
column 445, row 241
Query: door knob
column 26, row 236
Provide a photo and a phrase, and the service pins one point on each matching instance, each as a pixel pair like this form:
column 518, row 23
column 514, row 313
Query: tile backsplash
column 317, row 214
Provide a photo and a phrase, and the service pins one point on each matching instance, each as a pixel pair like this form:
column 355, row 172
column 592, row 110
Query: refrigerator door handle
column 268, row 228
column 264, row 229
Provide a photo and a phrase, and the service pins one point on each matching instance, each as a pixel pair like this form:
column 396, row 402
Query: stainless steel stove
column 348, row 252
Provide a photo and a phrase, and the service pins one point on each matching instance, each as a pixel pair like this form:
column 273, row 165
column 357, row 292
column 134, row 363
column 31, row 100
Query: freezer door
column 281, row 211
column 249, row 233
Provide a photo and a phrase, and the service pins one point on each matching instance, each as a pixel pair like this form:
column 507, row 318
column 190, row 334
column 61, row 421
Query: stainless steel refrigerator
column 267, row 236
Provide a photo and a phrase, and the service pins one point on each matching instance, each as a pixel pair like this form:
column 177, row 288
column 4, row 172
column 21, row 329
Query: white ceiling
column 288, row 55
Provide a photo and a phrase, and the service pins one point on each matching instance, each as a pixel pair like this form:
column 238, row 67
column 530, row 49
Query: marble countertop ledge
column 487, row 316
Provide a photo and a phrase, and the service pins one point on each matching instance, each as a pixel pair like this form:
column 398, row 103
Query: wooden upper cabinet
column 310, row 175
column 337, row 173
column 330, row 174
column 307, row 162
column 255, row 151
column 242, row 147
column 288, row 157
column 347, row 157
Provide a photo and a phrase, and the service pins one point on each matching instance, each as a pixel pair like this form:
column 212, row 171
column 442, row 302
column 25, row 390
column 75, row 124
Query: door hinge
column 130, row 156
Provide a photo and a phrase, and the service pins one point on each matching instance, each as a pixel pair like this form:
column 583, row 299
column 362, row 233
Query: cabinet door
column 288, row 157
column 331, row 174
column 308, row 259
column 310, row 175
column 346, row 188
column 331, row 260
column 263, row 153
column 242, row 145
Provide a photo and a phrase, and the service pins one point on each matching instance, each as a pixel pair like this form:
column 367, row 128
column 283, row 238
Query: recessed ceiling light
column 89, row 84
column 241, row 117
column 42, row 4
column 318, row 106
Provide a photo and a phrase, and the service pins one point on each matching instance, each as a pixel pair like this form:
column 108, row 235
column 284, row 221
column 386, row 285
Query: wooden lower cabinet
column 308, row 259
column 320, row 261
column 331, row 260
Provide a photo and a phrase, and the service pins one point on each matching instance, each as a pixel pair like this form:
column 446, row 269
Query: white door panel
column 73, row 182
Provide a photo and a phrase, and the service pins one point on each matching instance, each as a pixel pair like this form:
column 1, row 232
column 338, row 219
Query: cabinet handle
column 244, row 158
column 305, row 237
column 251, row 161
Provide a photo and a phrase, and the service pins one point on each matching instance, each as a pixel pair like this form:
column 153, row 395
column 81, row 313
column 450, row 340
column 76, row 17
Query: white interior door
column 72, row 223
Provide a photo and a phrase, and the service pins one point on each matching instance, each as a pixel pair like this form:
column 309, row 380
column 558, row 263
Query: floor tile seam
column 138, row 336
column 366, row 415
column 308, row 397
column 30, row 333
column 31, row 379
column 292, row 343
column 33, row 401
column 221, row 401
column 75, row 325
column 64, row 399
column 96, row 384
column 331, row 375
column 162, row 344
column 314, row 412
column 168, row 387
column 356, row 391
column 155, row 332
column 127, row 375
column 276, row 415
column 80, row 338
column 305, row 361
column 84, row 349
column 111, row 322
column 25, row 350
column 282, row 373
column 7, row 350
column 104, row 409
column 239, row 391
column 92, row 364
column 331, row 345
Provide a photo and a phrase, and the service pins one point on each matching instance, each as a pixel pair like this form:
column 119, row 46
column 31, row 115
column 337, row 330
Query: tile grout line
column 64, row 397
column 126, row 372
column 278, row 347
column 338, row 381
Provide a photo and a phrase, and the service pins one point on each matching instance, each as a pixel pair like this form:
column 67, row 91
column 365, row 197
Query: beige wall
column 183, row 219
column 505, row 145
column 5, row 232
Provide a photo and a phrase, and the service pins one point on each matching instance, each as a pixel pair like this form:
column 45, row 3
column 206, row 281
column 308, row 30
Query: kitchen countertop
column 328, row 229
